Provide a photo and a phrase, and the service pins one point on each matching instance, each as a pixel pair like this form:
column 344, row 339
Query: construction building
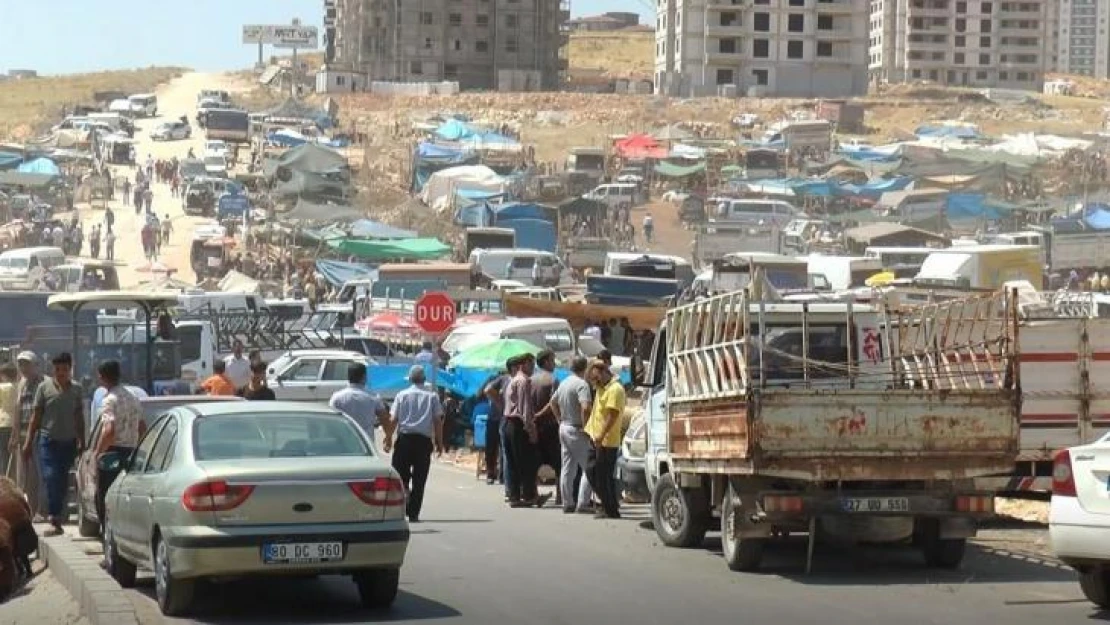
column 973, row 43
column 783, row 48
column 1083, row 46
column 509, row 45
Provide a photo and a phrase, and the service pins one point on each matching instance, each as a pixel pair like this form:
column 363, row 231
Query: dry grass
column 27, row 105
column 620, row 54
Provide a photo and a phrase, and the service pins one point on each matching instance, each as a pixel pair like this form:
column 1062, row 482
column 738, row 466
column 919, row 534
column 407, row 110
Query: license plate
column 302, row 553
column 875, row 504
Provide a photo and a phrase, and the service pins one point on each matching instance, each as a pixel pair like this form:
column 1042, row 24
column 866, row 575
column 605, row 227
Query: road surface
column 474, row 561
column 43, row 601
column 175, row 98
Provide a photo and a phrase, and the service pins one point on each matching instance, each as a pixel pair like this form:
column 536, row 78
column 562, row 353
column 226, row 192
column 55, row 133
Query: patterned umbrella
column 388, row 322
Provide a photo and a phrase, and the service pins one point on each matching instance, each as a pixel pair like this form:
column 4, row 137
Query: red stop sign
column 434, row 312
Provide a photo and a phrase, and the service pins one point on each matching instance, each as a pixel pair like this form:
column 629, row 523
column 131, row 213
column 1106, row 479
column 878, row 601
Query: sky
column 71, row 36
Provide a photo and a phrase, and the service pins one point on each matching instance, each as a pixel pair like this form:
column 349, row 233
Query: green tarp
column 404, row 249
column 670, row 170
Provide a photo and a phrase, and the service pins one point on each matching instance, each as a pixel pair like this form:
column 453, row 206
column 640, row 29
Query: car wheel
column 377, row 588
column 174, row 595
column 121, row 570
column 86, row 527
column 741, row 554
column 943, row 553
column 680, row 515
column 1095, row 585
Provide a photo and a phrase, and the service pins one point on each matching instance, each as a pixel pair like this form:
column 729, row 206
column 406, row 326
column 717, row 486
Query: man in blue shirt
column 417, row 418
column 355, row 402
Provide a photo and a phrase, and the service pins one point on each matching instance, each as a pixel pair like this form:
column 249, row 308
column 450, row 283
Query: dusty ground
column 43, row 601
column 620, row 54
column 25, row 105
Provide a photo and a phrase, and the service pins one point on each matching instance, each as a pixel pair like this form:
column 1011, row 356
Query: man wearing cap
column 417, row 418
column 604, row 430
column 28, row 476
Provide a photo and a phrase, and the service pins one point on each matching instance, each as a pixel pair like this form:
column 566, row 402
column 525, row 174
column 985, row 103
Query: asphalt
column 473, row 560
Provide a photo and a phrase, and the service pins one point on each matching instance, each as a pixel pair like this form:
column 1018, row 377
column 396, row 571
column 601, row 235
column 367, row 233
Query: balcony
column 835, row 34
column 716, row 56
column 717, row 30
column 841, row 7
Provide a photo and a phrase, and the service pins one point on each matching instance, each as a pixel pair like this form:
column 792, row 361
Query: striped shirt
column 518, row 399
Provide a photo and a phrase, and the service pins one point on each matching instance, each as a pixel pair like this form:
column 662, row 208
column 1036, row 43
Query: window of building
column 481, row 46
column 724, row 77
column 797, row 3
column 456, row 45
column 511, row 21
column 455, row 19
column 761, row 76
column 984, row 42
column 763, row 2
column 934, row 74
column 824, row 49
column 761, row 22
column 416, row 67
column 761, row 48
column 961, row 7
column 450, row 71
column 428, row 43
column 915, row 74
column 824, row 22
column 960, row 41
column 796, row 23
column 987, row 7
column 961, row 25
column 729, row 18
column 980, row 75
column 984, row 59
column 426, row 18
column 727, row 46
column 481, row 19
column 984, row 26
column 958, row 58
column 794, row 49
column 1003, row 75
column 511, row 44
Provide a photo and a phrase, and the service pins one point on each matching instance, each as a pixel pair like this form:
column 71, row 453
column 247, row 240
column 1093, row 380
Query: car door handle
column 312, row 388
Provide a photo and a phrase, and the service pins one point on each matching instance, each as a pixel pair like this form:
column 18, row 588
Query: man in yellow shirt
column 604, row 430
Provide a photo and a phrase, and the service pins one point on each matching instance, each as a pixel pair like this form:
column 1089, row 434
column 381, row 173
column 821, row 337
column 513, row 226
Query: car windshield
column 276, row 435
column 215, row 160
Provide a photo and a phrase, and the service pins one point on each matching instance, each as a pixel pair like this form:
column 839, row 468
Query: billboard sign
column 255, row 33
column 282, row 36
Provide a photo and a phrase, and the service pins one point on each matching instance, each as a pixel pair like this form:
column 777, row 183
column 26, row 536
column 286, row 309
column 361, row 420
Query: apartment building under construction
column 508, row 45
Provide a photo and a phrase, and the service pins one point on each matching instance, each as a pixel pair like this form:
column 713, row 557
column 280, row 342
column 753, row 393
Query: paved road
column 475, row 561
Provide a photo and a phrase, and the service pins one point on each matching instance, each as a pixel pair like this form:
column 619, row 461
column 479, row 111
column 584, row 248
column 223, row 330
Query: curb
column 102, row 600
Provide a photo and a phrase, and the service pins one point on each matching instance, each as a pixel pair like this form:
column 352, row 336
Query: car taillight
column 215, row 496
column 1063, row 478
column 380, row 491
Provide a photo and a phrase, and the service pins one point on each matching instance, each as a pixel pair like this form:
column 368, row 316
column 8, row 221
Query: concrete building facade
column 785, row 48
column 1083, row 45
column 973, row 43
column 481, row 44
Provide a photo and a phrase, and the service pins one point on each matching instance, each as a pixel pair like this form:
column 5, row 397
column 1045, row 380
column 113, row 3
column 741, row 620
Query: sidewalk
column 43, row 601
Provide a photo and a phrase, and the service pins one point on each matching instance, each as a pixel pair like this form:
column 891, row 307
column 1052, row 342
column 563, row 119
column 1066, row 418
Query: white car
column 312, row 374
column 215, row 147
column 171, row 131
column 215, row 166
column 1079, row 516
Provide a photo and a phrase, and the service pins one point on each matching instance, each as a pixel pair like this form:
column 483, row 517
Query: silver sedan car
column 236, row 489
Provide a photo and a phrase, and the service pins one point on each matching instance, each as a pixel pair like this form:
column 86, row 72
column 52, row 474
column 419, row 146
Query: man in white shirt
column 237, row 367
column 122, row 425
column 355, row 402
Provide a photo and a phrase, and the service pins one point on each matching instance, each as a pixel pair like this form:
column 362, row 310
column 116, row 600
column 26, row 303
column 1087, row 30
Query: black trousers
column 601, row 464
column 549, row 450
column 104, row 480
column 493, row 448
column 412, row 458
column 521, row 456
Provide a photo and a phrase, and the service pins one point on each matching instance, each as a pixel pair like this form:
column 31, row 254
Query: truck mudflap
column 781, row 506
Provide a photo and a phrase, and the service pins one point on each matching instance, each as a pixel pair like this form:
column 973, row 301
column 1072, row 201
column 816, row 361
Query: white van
column 617, row 194
column 143, row 104
column 843, row 272
column 201, row 302
column 755, row 212
column 23, row 268
column 529, row 267
column 544, row 332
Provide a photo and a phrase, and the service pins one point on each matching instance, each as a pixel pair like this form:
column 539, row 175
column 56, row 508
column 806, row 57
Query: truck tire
column 942, row 553
column 680, row 515
column 741, row 554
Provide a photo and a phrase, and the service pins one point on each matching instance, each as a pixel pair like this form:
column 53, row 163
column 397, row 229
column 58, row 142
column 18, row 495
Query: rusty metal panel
column 710, row 430
column 899, row 434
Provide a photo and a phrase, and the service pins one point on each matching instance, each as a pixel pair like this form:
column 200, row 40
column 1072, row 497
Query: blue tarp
column 435, row 150
column 41, row 165
column 1097, row 216
column 10, row 160
column 455, row 130
column 370, row 229
column 947, row 131
column 474, row 215
column 522, row 210
column 467, row 382
column 961, row 206
column 874, row 189
column 337, row 272
column 531, row 234
column 871, row 156
column 430, row 158
column 485, row 139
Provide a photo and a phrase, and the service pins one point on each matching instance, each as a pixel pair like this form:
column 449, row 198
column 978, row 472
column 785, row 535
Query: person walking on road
column 417, row 418
column 27, row 472
column 94, row 241
column 604, row 430
column 238, row 366
column 257, row 389
column 355, row 402
column 521, row 425
column 110, row 245
column 126, row 191
column 571, row 406
column 58, row 428
column 167, row 230
column 121, row 426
